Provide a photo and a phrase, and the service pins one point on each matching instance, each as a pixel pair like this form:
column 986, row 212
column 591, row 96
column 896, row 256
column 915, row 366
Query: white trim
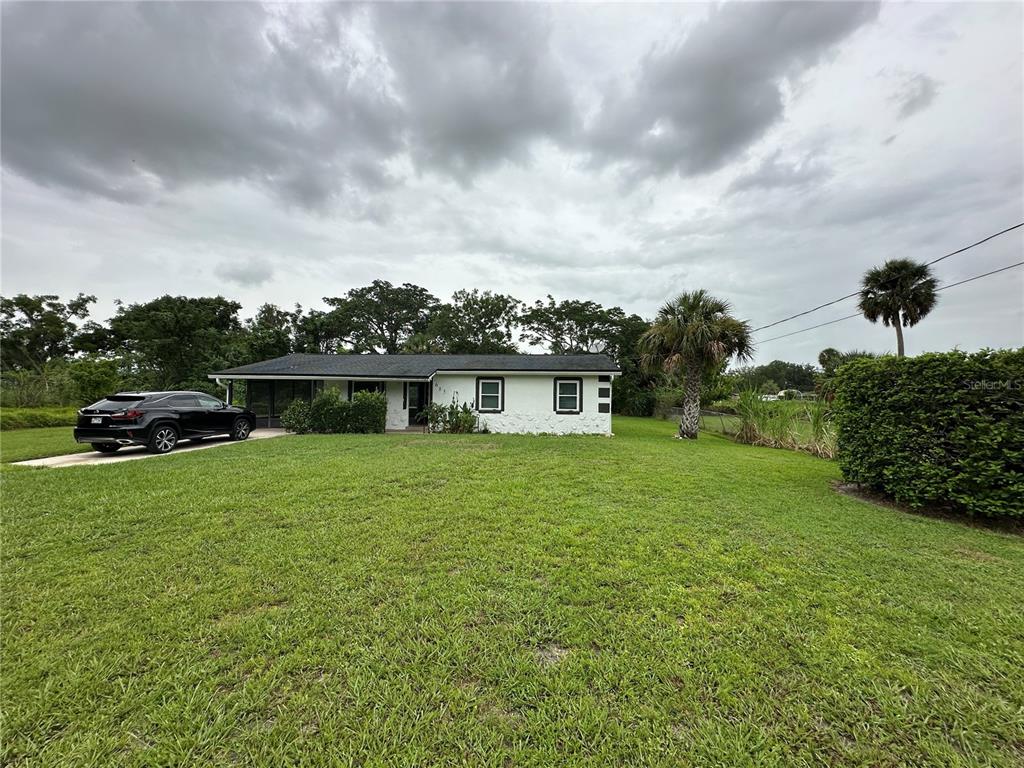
column 500, row 394
column 513, row 372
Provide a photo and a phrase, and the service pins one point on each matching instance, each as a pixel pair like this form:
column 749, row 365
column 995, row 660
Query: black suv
column 158, row 420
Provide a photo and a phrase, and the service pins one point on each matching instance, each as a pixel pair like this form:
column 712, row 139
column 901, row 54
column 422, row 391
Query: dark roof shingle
column 417, row 366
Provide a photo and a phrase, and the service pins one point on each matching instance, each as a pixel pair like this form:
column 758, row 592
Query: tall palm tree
column 692, row 334
column 900, row 293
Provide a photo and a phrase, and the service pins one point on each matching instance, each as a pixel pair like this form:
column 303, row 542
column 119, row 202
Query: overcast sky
column 622, row 153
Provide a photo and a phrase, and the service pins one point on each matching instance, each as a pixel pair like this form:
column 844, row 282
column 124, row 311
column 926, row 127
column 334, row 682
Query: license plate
column 97, row 419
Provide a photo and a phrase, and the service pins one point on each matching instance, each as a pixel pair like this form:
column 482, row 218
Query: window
column 568, row 395
column 604, row 407
column 205, row 401
column 605, row 379
column 604, row 392
column 182, row 401
column 365, row 386
column 490, row 395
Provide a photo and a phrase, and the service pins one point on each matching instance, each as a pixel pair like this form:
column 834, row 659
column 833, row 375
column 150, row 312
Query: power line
column 857, row 293
column 858, row 314
column 978, row 277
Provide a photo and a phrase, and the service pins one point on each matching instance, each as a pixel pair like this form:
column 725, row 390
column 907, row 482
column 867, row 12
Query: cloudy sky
column 769, row 152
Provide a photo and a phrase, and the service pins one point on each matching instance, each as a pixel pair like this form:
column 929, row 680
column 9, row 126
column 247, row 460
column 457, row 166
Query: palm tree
column 693, row 334
column 900, row 293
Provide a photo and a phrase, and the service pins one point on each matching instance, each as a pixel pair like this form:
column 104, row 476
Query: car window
column 209, row 402
column 182, row 401
column 116, row 403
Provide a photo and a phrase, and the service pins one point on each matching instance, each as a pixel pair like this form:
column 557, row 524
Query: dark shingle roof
column 417, row 366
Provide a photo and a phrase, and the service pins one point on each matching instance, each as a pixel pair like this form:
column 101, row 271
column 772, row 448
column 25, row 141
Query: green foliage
column 296, row 417
column 899, row 293
column 939, row 429
column 330, row 414
column 788, row 424
column 379, row 317
column 693, row 336
column 475, row 322
column 30, row 418
column 369, row 412
column 174, row 341
column 35, row 330
column 631, row 398
column 269, row 333
column 667, row 398
column 91, row 379
column 775, row 376
column 454, row 418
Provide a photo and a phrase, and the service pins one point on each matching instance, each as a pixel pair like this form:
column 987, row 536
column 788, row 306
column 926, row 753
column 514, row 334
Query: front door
column 417, row 401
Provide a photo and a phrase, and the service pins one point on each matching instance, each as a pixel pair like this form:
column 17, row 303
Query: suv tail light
column 130, row 415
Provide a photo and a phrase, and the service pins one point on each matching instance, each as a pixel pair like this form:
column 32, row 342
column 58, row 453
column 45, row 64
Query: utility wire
column 858, row 314
column 857, row 293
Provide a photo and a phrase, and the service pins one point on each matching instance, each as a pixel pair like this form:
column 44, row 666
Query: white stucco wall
column 529, row 404
column 398, row 417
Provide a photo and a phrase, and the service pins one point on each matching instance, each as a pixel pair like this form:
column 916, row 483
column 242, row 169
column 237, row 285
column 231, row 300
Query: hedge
column 936, row 430
column 28, row 418
column 329, row 414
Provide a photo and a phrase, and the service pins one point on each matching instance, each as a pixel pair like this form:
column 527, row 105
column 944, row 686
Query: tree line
column 53, row 349
column 54, row 352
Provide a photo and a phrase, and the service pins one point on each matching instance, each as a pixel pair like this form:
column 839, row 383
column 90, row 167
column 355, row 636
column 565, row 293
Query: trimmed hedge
column 939, row 429
column 330, row 414
column 30, row 418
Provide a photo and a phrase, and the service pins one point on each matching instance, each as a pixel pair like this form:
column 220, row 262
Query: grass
column 24, row 444
column 499, row 600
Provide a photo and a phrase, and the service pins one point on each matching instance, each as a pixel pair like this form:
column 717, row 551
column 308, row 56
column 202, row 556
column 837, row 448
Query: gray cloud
column 915, row 94
column 773, row 172
column 479, row 83
column 695, row 106
column 248, row 273
column 129, row 101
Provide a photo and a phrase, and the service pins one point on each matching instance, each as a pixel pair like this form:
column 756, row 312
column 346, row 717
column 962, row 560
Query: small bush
column 30, row 418
column 330, row 414
column 939, row 429
column 665, row 399
column 368, row 413
column 296, row 417
column 92, row 379
column 453, row 418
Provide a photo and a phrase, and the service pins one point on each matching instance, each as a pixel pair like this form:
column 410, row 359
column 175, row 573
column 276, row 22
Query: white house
column 562, row 394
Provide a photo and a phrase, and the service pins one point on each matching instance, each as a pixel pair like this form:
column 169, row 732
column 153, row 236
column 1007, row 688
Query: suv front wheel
column 241, row 429
column 163, row 439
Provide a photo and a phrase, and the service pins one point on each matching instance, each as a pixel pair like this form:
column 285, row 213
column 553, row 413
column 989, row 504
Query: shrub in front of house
column 936, row 430
column 330, row 414
column 296, row 417
column 453, row 418
column 368, row 412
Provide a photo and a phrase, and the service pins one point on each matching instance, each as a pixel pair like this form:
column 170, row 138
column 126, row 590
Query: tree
column 832, row 360
column 570, row 327
column 475, row 322
column 899, row 293
column 269, row 333
column 173, row 342
column 319, row 332
column 38, row 329
column 381, row 316
column 781, row 374
column 692, row 334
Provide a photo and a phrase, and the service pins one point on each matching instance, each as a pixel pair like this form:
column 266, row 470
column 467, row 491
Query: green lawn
column 24, row 444
column 498, row 600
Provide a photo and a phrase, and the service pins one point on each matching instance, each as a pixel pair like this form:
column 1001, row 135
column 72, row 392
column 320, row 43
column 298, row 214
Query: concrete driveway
column 133, row 453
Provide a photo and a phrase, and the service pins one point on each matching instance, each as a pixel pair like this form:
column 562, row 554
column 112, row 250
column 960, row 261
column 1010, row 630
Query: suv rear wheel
column 163, row 439
column 105, row 447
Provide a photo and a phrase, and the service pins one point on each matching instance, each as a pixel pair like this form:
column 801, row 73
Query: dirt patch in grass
column 550, row 655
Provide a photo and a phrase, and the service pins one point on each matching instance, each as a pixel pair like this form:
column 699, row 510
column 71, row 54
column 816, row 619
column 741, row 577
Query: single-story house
column 512, row 393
